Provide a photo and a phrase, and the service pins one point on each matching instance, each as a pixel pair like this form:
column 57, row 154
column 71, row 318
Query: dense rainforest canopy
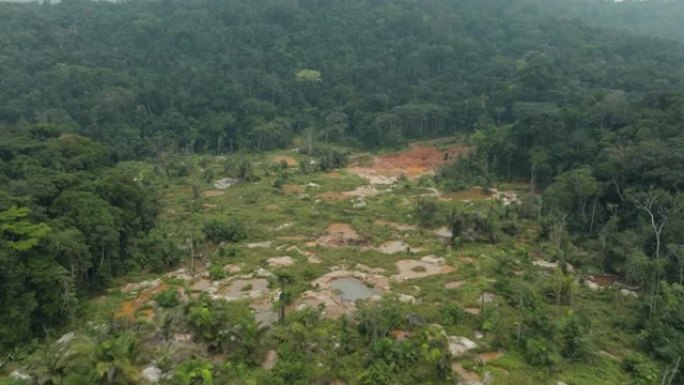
column 582, row 100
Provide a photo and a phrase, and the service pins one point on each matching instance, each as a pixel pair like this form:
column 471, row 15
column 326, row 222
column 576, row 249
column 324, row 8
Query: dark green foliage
column 426, row 212
column 167, row 298
column 231, row 230
column 79, row 223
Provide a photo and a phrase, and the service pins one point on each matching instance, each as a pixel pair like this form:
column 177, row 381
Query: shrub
column 216, row 273
column 167, row 298
column 231, row 230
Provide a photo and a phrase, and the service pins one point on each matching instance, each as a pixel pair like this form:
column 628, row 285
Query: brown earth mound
column 418, row 160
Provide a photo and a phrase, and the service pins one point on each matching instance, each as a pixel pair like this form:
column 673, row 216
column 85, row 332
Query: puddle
column 412, row 269
column 352, row 289
column 336, row 291
column 244, row 288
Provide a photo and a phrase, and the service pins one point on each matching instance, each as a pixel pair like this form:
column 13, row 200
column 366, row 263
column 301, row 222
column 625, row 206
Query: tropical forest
column 342, row 192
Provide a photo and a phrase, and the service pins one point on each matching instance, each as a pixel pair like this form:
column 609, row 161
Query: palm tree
column 114, row 361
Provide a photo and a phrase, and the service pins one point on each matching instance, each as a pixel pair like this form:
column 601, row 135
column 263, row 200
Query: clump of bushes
column 231, row 230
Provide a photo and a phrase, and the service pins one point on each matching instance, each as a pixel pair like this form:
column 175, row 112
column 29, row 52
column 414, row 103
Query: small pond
column 352, row 289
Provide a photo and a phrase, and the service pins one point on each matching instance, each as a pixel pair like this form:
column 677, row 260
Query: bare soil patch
column 418, row 160
column 393, row 247
column 465, row 374
column 412, row 269
column 332, row 196
column 398, row 226
column 213, row 193
column 130, row 307
column 490, row 356
column 338, row 234
column 471, row 194
column 292, row 189
column 335, row 302
column 443, row 232
column 454, row 284
column 363, row 192
column 283, row 261
column 244, row 289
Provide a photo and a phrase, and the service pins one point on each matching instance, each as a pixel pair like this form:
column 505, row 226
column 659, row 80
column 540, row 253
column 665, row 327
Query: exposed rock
column 152, row 374
column 368, row 269
column 224, row 183
column 553, row 265
column 182, row 338
column 265, row 244
column 592, row 285
column 443, row 232
column 65, row 339
column 439, row 261
column 629, row 293
column 283, row 261
column 486, row 298
column 407, row 298
column 459, row 345
column 393, row 247
column 271, row 360
column 263, row 273
column 17, row 375
column 137, row 286
column 284, row 226
column 363, row 192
